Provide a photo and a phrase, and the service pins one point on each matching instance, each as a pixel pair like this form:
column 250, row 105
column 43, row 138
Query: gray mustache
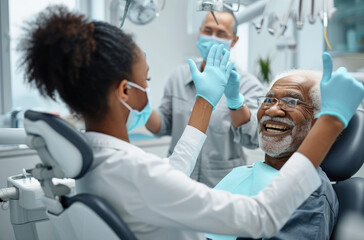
column 278, row 119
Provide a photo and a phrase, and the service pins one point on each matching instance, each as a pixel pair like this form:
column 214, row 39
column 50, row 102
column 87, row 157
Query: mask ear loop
column 124, row 103
column 131, row 84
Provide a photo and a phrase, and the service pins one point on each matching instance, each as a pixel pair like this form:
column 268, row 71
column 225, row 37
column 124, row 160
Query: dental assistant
column 101, row 73
column 233, row 123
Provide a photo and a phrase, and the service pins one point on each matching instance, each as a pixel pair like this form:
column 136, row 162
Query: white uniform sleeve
column 174, row 200
column 187, row 149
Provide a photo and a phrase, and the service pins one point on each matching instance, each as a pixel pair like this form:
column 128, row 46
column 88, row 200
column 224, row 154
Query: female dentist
column 102, row 74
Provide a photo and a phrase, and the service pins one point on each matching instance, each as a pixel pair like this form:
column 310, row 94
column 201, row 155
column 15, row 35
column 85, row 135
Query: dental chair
column 65, row 153
column 345, row 158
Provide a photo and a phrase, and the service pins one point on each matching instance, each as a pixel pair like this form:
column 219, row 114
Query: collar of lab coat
column 106, row 141
column 104, row 144
column 198, row 62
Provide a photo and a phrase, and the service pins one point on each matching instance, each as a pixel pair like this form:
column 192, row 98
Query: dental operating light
column 215, row 5
column 137, row 11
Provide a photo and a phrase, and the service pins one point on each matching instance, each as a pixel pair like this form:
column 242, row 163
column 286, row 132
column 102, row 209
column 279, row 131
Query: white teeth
column 276, row 126
column 273, row 130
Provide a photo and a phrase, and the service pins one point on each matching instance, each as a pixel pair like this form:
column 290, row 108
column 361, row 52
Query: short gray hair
column 235, row 21
column 314, row 93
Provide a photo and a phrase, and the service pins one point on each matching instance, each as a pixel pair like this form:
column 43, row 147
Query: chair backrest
column 65, row 152
column 67, row 147
column 346, row 156
column 344, row 159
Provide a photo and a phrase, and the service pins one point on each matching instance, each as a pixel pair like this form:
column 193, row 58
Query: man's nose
column 275, row 111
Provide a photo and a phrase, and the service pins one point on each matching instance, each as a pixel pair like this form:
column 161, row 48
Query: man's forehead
column 295, row 80
column 291, row 78
column 224, row 18
column 292, row 85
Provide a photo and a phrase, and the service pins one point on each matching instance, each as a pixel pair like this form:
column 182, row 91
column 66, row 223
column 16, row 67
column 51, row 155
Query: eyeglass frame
column 276, row 100
column 229, row 35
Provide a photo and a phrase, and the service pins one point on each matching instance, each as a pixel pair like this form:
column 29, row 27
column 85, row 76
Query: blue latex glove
column 234, row 99
column 211, row 83
column 341, row 94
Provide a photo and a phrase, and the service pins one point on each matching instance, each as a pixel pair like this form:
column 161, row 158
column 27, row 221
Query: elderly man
column 233, row 122
column 285, row 117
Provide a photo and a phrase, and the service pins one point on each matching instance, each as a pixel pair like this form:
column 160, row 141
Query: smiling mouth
column 274, row 128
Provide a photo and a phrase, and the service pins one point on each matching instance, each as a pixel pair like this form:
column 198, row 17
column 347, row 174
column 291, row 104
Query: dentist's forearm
column 240, row 116
column 320, row 138
column 201, row 113
column 154, row 122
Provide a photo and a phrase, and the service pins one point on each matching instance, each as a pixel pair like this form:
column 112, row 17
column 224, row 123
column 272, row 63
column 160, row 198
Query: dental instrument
column 300, row 19
column 258, row 26
column 285, row 18
column 312, row 16
column 325, row 22
column 272, row 23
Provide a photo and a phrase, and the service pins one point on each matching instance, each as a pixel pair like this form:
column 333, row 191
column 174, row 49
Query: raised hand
column 211, row 83
column 234, row 99
column 341, row 94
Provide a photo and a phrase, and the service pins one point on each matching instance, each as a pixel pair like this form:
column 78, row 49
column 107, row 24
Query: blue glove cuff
column 338, row 115
column 235, row 103
column 213, row 105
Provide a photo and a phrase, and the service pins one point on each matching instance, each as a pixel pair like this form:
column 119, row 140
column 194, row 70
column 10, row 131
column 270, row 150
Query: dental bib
column 247, row 181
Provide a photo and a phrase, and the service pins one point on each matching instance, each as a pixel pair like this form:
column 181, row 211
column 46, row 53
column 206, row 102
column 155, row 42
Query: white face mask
column 137, row 118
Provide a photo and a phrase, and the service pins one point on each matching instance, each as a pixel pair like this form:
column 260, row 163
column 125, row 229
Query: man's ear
column 236, row 38
column 122, row 90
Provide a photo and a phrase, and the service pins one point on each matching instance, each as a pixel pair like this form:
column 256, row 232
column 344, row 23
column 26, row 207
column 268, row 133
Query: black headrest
column 67, row 146
column 346, row 156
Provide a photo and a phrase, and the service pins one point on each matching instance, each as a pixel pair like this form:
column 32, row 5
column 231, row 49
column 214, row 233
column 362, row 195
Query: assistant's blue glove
column 234, row 99
column 341, row 94
column 211, row 83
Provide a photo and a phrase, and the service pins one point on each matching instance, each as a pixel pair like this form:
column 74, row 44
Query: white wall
column 353, row 62
column 310, row 46
column 309, row 43
column 166, row 42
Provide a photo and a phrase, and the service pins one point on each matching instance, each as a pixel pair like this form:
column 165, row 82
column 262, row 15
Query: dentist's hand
column 211, row 83
column 234, row 99
column 341, row 94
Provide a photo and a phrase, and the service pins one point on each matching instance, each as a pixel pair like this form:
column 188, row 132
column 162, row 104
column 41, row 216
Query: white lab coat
column 157, row 199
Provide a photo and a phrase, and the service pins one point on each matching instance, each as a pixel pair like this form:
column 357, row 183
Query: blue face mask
column 137, row 118
column 205, row 42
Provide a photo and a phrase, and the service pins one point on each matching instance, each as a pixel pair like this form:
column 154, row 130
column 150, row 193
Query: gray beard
column 274, row 148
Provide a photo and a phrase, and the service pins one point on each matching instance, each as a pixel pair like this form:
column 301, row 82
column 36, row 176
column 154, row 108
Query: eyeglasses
column 220, row 34
column 285, row 103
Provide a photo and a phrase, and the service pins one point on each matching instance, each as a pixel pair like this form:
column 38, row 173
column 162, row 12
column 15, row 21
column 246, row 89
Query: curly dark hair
column 65, row 53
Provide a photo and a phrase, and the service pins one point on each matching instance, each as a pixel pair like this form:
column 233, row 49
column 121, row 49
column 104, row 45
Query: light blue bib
column 248, row 181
